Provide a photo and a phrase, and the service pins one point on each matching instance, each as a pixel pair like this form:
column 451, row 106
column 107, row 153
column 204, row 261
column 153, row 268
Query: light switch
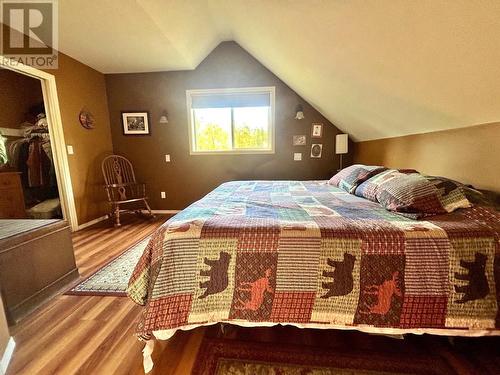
column 167, row 158
column 297, row 156
column 163, row 195
column 70, row 150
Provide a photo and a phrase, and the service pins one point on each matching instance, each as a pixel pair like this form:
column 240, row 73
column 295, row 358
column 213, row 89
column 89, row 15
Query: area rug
column 223, row 356
column 112, row 278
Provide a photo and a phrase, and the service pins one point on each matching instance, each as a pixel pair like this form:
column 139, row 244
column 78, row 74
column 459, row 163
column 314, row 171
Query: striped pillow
column 349, row 178
column 368, row 189
column 451, row 193
column 416, row 196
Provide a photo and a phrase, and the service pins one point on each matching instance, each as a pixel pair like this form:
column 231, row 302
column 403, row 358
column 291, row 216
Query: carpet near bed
column 219, row 357
column 112, row 278
column 288, row 350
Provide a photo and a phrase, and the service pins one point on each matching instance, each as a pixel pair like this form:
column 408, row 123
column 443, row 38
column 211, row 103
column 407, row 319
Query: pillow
column 416, row 196
column 482, row 197
column 451, row 193
column 349, row 178
column 368, row 189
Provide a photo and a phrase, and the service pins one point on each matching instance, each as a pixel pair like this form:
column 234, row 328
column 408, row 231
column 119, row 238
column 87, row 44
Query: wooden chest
column 11, row 196
column 34, row 266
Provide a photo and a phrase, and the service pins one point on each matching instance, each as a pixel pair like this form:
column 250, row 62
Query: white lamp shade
column 341, row 143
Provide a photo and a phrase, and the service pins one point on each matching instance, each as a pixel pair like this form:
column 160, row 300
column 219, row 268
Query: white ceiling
column 376, row 69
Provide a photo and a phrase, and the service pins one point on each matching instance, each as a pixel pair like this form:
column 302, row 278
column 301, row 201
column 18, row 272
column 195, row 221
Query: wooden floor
column 94, row 335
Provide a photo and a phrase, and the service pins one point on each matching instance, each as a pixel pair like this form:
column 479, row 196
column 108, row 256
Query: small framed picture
column 299, row 140
column 317, row 130
column 135, row 123
column 316, row 150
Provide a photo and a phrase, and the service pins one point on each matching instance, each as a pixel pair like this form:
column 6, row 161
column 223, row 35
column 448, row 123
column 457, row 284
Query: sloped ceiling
column 376, row 69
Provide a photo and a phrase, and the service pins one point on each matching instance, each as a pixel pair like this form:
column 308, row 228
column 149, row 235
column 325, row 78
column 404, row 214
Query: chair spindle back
column 117, row 170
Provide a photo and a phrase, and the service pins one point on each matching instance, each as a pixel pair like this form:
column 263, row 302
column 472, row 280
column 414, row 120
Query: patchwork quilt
column 310, row 254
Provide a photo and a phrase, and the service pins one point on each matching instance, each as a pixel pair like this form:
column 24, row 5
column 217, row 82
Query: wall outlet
column 163, row 195
column 167, row 158
column 297, row 156
column 70, row 150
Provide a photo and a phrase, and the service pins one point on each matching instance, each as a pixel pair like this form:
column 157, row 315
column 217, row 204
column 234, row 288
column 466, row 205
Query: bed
column 306, row 253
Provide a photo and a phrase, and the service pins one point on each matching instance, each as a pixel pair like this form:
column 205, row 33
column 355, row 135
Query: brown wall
column 188, row 177
column 17, row 94
column 81, row 86
column 469, row 155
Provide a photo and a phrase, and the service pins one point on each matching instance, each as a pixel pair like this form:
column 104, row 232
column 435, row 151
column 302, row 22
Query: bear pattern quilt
column 308, row 253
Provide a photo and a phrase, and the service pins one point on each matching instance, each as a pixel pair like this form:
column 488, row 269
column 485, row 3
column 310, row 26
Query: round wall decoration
column 86, row 119
column 316, row 150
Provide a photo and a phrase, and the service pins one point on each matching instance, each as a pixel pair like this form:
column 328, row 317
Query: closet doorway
column 34, row 169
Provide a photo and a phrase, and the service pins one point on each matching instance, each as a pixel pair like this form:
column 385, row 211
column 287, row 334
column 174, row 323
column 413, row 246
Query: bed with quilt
column 324, row 254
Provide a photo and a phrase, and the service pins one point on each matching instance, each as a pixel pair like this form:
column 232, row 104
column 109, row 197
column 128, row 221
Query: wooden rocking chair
column 122, row 188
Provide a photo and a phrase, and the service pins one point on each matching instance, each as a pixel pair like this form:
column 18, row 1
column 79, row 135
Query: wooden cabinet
column 11, row 196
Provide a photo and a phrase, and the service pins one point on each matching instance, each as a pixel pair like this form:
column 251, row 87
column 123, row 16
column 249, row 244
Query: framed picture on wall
column 317, row 130
column 316, row 150
column 299, row 140
column 135, row 123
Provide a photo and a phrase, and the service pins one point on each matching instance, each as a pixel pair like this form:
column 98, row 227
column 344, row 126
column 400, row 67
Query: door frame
column 56, row 133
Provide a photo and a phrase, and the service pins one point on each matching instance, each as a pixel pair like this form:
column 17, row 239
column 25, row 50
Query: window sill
column 236, row 152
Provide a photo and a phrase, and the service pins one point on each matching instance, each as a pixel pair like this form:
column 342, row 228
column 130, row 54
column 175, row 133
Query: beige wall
column 81, row 86
column 188, row 177
column 469, row 155
column 17, row 94
column 4, row 330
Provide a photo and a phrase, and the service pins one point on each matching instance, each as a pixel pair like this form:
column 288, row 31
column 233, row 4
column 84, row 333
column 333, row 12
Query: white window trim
column 190, row 93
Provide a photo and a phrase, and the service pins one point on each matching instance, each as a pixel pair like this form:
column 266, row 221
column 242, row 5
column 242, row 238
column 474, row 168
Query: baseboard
column 165, row 211
column 105, row 217
column 92, row 222
column 7, row 355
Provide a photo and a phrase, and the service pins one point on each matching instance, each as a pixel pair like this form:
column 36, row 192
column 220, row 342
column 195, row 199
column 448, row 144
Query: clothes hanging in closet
column 38, row 164
column 32, row 155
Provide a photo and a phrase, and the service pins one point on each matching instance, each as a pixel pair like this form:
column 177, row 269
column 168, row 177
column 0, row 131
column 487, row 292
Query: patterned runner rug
column 223, row 356
column 112, row 278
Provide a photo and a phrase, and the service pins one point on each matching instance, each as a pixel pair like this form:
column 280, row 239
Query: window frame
column 191, row 130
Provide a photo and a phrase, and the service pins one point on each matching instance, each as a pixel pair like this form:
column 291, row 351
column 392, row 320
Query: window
column 233, row 121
